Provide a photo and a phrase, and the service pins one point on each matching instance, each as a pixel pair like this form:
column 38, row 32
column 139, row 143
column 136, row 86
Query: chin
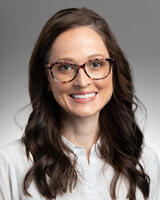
column 84, row 114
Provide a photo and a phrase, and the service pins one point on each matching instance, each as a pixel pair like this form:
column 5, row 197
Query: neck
column 81, row 131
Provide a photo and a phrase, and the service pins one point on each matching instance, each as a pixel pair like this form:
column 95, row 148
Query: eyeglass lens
column 95, row 69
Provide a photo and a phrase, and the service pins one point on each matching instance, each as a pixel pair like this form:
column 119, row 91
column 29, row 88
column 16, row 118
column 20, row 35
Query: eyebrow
column 72, row 60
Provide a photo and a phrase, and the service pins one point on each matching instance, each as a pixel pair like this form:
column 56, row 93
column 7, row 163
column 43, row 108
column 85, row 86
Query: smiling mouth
column 83, row 96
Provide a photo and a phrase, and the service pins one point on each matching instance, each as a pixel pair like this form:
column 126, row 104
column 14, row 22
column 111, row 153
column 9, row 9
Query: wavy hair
column 121, row 139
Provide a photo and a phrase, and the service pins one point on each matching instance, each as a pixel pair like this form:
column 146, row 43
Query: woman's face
column 78, row 45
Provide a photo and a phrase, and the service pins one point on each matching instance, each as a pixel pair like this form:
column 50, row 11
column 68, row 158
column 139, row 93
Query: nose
column 81, row 80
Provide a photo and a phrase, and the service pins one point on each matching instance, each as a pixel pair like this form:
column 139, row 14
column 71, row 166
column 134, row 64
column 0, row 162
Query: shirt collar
column 73, row 146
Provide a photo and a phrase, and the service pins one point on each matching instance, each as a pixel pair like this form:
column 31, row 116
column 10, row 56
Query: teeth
column 79, row 96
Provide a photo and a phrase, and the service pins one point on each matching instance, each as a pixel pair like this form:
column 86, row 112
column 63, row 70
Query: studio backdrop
column 136, row 25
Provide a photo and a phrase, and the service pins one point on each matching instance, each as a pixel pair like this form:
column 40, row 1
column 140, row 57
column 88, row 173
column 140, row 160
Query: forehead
column 78, row 44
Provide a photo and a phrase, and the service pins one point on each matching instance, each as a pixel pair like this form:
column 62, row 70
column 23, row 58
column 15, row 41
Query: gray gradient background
column 136, row 25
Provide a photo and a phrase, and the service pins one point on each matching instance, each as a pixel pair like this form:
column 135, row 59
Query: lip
column 83, row 100
column 82, row 93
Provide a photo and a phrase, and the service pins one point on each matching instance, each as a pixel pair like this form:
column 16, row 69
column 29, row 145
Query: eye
column 96, row 63
column 65, row 67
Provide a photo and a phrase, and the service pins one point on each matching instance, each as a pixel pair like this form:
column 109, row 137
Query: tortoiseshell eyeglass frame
column 50, row 66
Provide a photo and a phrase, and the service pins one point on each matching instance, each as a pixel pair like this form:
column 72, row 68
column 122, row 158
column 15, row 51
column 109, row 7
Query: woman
column 81, row 140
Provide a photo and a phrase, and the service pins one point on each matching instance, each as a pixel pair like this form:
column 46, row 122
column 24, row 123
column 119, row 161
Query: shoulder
column 12, row 148
column 13, row 154
column 149, row 158
column 13, row 167
column 151, row 164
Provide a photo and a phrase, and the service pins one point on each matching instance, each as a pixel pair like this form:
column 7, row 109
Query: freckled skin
column 78, row 44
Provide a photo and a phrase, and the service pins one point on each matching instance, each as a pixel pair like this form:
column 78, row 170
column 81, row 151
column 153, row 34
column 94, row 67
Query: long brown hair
column 120, row 137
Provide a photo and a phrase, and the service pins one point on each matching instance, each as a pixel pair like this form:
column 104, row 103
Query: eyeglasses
column 95, row 69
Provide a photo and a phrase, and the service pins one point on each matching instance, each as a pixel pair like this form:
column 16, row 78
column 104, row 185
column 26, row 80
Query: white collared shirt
column 93, row 183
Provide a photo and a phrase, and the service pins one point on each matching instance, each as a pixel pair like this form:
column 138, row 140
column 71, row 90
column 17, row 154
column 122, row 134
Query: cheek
column 106, row 88
column 59, row 92
column 55, row 88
